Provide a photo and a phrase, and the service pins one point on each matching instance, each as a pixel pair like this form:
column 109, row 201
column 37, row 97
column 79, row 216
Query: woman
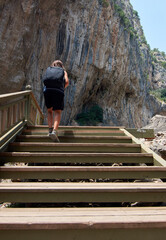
column 55, row 81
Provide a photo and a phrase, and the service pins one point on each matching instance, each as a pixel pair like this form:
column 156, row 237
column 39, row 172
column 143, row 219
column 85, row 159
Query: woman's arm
column 66, row 79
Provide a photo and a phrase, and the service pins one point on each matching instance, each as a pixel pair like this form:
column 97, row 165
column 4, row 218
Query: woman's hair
column 57, row 63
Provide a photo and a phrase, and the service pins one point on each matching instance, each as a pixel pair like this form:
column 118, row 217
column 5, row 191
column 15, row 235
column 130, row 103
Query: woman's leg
column 57, row 118
column 50, row 118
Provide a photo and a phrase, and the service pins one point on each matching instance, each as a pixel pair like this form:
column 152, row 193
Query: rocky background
column 158, row 144
column 104, row 50
column 159, row 69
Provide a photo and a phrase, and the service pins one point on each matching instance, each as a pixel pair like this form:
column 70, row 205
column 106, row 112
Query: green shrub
column 154, row 59
column 163, row 93
column 91, row 117
column 136, row 13
column 125, row 21
column 159, row 94
column 163, row 64
column 155, row 50
column 120, row 11
column 163, row 54
column 144, row 39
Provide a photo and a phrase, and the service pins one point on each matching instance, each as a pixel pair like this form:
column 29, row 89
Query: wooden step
column 82, row 192
column 75, row 147
column 81, row 172
column 73, row 158
column 75, row 132
column 75, row 139
column 83, row 223
column 98, row 128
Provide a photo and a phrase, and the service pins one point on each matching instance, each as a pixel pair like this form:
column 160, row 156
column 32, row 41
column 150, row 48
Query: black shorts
column 54, row 99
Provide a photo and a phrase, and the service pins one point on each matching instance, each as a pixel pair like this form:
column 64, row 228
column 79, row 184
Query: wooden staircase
column 79, row 188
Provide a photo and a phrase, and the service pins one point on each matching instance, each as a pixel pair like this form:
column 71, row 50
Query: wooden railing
column 16, row 110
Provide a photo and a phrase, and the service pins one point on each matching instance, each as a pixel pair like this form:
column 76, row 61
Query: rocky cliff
column 103, row 48
column 159, row 69
column 158, row 144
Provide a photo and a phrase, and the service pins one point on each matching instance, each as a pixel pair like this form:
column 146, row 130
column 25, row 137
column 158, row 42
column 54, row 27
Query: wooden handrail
column 16, row 108
column 7, row 96
column 36, row 103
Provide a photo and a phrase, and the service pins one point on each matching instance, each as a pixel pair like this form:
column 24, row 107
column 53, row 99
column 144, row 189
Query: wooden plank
column 9, row 117
column 83, row 223
column 75, row 147
column 4, row 120
column 11, row 103
column 82, row 234
column 81, row 172
column 9, row 96
column 141, row 133
column 82, row 218
column 99, row 128
column 82, row 192
column 1, row 119
column 14, row 114
column 78, row 139
column 68, row 157
column 76, row 132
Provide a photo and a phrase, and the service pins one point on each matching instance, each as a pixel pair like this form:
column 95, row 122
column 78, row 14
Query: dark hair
column 57, row 63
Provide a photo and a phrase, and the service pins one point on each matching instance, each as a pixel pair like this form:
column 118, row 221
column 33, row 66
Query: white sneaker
column 54, row 136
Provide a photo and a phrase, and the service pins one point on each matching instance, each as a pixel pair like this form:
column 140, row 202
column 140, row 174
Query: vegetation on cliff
column 125, row 21
column 93, row 116
column 159, row 94
column 158, row 57
column 159, row 73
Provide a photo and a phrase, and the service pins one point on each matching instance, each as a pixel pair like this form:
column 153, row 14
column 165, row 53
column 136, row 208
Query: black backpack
column 54, row 78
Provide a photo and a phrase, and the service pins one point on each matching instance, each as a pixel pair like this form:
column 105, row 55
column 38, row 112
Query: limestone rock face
column 107, row 61
column 158, row 144
column 159, row 72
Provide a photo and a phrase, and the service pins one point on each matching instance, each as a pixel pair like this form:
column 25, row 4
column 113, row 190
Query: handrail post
column 28, row 107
